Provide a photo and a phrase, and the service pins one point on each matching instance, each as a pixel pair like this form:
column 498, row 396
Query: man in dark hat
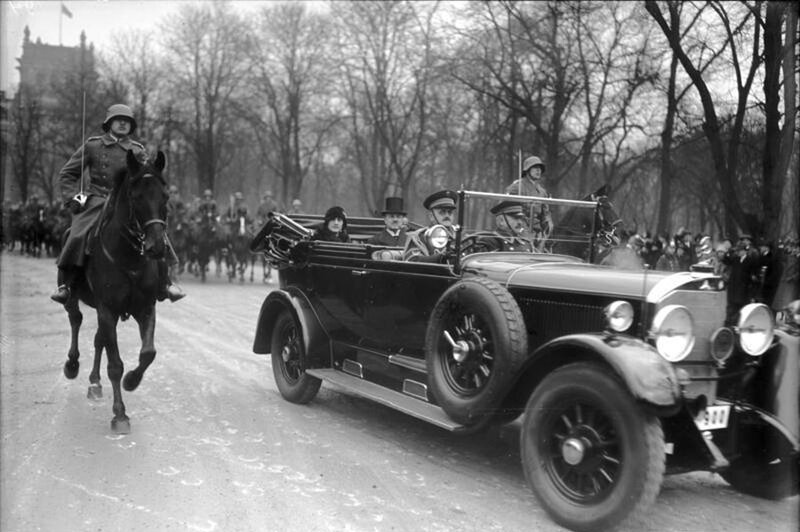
column 511, row 223
column 104, row 156
column 393, row 233
column 441, row 207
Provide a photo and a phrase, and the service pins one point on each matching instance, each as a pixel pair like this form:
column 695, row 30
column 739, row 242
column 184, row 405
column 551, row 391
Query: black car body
column 622, row 375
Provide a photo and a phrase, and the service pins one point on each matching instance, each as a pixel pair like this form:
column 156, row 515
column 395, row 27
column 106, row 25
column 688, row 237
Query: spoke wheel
column 288, row 361
column 592, row 456
column 475, row 343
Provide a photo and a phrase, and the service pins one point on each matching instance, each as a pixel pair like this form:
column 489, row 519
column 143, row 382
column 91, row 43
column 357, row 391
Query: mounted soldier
column 105, row 157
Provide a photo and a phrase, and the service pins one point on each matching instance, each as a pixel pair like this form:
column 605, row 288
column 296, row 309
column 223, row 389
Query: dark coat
column 104, row 157
column 385, row 239
column 503, row 241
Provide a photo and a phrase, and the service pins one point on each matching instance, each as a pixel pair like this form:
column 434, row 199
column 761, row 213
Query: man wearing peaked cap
column 441, row 207
column 393, row 233
column 511, row 223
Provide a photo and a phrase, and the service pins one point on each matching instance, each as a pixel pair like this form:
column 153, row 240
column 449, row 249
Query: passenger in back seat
column 333, row 227
column 393, row 234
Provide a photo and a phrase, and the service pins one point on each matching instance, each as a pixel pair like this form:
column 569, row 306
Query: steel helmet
column 531, row 162
column 119, row 110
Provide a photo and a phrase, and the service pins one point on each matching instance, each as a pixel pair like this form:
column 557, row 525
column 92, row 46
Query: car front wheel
column 288, row 361
column 592, row 457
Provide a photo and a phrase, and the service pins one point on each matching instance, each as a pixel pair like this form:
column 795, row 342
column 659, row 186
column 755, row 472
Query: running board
column 404, row 403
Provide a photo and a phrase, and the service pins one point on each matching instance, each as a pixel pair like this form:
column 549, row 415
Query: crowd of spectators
column 755, row 270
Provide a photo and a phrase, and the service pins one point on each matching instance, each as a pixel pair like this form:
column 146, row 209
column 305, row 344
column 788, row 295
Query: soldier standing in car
column 441, row 207
column 393, row 233
column 530, row 184
column 104, row 156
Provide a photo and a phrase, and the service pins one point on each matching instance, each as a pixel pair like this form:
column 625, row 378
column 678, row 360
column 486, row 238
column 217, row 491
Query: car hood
column 568, row 274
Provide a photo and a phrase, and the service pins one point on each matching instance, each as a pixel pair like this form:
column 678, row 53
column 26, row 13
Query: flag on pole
column 65, row 11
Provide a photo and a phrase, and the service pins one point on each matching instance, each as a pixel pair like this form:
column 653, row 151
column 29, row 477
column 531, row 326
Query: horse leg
column 107, row 328
column 95, row 390
column 75, row 320
column 147, row 328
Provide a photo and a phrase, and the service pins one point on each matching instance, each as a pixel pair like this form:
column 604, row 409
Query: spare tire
column 475, row 343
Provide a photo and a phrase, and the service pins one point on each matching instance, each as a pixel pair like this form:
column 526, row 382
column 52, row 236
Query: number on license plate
column 713, row 417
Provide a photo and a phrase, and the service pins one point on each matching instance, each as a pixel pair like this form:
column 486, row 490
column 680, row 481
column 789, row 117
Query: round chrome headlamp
column 673, row 332
column 438, row 237
column 756, row 329
column 619, row 316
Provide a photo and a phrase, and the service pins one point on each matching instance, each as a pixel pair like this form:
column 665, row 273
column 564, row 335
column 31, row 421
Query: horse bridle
column 135, row 230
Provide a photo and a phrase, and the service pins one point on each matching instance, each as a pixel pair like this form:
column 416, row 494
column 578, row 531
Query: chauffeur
column 104, row 156
column 441, row 207
column 511, row 224
column 393, row 234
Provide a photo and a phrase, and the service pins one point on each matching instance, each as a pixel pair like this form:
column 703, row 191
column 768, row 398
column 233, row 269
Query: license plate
column 713, row 417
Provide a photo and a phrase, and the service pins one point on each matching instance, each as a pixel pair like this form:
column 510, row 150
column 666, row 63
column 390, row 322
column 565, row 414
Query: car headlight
column 756, row 329
column 619, row 316
column 438, row 237
column 673, row 332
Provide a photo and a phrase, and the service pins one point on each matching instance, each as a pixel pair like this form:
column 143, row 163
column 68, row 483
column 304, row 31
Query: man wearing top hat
column 441, row 207
column 393, row 233
column 511, row 223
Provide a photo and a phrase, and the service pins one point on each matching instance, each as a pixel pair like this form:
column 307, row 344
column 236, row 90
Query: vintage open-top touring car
column 619, row 376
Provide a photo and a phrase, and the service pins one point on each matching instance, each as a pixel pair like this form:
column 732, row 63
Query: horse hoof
column 131, row 381
column 95, row 392
column 121, row 426
column 71, row 368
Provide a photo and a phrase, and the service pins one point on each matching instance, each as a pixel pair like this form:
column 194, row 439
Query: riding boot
column 65, row 281
column 167, row 289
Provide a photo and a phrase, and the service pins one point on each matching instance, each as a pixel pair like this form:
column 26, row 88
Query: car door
column 398, row 298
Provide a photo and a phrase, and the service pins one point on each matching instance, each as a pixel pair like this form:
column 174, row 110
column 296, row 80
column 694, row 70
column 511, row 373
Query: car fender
column 780, row 375
column 648, row 376
column 314, row 336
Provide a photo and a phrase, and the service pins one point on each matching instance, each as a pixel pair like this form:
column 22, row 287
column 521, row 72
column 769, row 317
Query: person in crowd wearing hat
column 297, row 206
column 530, row 184
column 668, row 261
column 441, row 207
column 742, row 271
column 510, row 225
column 769, row 271
column 393, row 233
column 266, row 206
column 104, row 156
column 333, row 227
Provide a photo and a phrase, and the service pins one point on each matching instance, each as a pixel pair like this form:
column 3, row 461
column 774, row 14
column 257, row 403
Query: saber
column 81, row 197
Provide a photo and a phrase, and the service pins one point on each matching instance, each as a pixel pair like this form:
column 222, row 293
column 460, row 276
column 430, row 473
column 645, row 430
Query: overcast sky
column 100, row 19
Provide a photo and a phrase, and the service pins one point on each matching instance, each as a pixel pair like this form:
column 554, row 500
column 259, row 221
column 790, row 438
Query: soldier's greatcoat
column 104, row 156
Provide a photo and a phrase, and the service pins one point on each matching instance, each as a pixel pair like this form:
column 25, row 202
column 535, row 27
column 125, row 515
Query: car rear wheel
column 475, row 343
column 592, row 457
column 288, row 361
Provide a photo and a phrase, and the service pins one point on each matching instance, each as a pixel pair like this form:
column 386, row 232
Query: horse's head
column 607, row 220
column 147, row 198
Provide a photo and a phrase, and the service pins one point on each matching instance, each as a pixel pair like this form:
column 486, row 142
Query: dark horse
column 586, row 233
column 121, row 277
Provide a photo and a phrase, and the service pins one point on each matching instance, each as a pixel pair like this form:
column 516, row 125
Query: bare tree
column 387, row 71
column 725, row 154
column 206, row 46
column 290, row 75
